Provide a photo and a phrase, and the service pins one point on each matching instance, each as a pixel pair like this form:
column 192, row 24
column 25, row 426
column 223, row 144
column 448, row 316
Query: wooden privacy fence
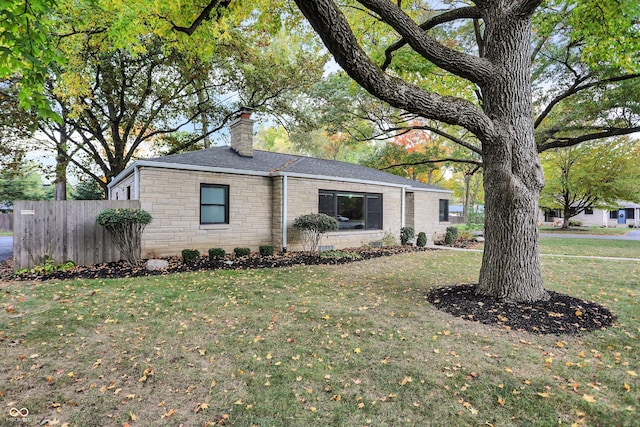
column 63, row 231
column 6, row 222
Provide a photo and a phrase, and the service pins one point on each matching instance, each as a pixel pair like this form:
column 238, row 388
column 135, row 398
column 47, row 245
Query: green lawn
column 351, row 345
column 590, row 247
column 596, row 231
column 5, row 233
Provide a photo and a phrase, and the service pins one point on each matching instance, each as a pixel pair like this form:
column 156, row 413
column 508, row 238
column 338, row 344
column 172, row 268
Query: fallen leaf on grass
column 501, row 401
column 632, row 373
column 169, row 414
column 200, row 407
column 588, row 398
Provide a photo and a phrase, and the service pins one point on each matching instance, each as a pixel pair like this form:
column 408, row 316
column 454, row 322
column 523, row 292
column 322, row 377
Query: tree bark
column 513, row 175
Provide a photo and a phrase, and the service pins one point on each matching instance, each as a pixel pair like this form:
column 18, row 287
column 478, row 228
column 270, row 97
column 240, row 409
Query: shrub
column 407, row 234
column 216, row 253
column 575, row 223
column 49, row 266
column 265, row 250
column 190, row 256
column 465, row 235
column 242, row 252
column 389, row 239
column 312, row 227
column 126, row 226
column 422, row 239
column 451, row 235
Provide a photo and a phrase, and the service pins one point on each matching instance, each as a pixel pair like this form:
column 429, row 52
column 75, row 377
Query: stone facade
column 172, row 197
column 256, row 207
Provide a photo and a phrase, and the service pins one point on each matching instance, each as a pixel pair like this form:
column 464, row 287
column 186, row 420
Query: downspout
column 403, row 208
column 284, row 212
column 136, row 183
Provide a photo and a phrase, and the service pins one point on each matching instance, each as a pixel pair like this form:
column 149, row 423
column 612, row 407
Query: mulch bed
column 561, row 314
column 120, row 269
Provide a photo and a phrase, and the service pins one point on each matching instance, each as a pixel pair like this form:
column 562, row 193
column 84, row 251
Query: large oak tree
column 502, row 116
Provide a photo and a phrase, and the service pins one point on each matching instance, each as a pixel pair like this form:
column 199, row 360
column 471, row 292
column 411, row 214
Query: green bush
column 190, row 256
column 265, row 250
column 242, row 252
column 451, row 235
column 575, row 223
column 389, row 240
column 49, row 266
column 312, row 227
column 216, row 253
column 422, row 239
column 406, row 235
column 125, row 226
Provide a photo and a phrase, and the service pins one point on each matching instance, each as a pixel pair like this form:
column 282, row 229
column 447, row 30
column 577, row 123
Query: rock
column 156, row 264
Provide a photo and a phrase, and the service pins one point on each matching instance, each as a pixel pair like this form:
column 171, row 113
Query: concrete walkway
column 6, row 247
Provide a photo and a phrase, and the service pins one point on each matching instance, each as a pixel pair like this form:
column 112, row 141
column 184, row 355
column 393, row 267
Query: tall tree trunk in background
column 62, row 163
column 513, row 175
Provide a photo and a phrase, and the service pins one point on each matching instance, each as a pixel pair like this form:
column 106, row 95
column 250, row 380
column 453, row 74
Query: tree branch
column 577, row 87
column 524, row 7
column 205, row 15
column 449, row 16
column 424, row 162
column 472, row 68
column 569, row 142
column 329, row 22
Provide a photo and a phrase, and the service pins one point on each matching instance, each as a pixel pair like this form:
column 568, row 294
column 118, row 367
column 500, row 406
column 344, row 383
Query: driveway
column 6, row 247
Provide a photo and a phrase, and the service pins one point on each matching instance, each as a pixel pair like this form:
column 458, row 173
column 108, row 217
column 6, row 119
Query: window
column 630, row 213
column 550, row 215
column 354, row 211
column 444, row 210
column 128, row 192
column 588, row 211
column 214, row 204
column 613, row 214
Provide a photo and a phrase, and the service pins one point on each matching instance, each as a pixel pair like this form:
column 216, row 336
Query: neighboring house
column 236, row 196
column 627, row 215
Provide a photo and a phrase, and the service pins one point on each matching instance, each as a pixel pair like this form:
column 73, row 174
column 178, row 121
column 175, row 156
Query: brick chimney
column 241, row 129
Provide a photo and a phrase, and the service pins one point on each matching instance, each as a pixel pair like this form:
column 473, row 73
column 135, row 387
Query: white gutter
column 285, row 208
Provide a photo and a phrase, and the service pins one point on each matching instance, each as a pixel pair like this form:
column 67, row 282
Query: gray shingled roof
column 265, row 161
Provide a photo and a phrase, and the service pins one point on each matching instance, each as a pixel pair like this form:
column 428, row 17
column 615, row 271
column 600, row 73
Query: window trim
column 366, row 212
column 226, row 203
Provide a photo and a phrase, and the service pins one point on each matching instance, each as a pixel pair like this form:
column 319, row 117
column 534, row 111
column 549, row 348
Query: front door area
column 622, row 216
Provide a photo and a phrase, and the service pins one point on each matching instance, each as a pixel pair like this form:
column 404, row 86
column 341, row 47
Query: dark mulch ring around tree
column 121, row 269
column 561, row 314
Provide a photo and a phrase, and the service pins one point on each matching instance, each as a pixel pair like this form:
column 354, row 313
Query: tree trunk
column 513, row 175
column 467, row 191
column 62, row 163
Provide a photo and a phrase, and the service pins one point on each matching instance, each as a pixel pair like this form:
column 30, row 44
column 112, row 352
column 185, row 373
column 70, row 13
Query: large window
column 214, row 204
column 444, row 210
column 354, row 211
